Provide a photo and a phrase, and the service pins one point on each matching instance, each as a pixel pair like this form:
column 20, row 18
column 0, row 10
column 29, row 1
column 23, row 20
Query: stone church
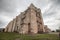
column 28, row 22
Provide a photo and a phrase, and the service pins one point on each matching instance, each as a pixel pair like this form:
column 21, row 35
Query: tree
column 57, row 30
column 53, row 31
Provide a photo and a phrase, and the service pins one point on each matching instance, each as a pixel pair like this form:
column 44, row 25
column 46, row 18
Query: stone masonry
column 29, row 21
column 47, row 30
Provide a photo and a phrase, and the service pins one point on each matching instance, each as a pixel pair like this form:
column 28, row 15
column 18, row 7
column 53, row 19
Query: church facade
column 29, row 21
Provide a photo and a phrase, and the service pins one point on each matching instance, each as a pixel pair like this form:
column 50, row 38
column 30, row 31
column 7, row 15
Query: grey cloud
column 4, row 20
column 8, row 5
column 56, row 2
column 8, row 9
column 53, row 9
column 49, row 12
column 2, row 23
column 53, row 12
column 41, row 3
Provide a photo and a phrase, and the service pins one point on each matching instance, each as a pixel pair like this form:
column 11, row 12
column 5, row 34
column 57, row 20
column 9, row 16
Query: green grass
column 16, row 36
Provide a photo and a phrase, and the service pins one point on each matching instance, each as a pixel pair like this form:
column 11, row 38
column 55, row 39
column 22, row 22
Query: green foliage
column 57, row 30
column 16, row 36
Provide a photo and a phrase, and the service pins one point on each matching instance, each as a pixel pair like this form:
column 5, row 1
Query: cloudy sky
column 9, row 9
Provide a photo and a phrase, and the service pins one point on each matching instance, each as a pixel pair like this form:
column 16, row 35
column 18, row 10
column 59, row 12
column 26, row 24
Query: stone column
column 34, row 28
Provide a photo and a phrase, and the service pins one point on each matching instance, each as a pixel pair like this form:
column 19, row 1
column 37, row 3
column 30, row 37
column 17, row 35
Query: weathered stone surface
column 47, row 30
column 29, row 21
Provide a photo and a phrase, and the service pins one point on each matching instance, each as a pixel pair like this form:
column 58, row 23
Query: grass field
column 16, row 36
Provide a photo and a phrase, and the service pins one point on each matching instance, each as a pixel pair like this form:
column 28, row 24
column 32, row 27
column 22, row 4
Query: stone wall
column 29, row 21
column 47, row 30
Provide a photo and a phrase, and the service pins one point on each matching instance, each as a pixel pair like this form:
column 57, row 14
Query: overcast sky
column 9, row 9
